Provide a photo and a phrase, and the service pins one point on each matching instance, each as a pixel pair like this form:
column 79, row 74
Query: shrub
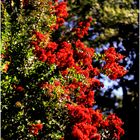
column 49, row 80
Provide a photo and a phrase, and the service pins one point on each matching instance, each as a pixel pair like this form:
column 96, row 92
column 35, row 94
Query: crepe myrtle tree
column 48, row 76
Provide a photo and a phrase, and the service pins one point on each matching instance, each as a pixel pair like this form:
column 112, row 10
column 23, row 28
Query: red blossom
column 51, row 59
column 84, row 131
column 113, row 124
column 39, row 36
column 77, row 133
column 19, row 88
column 57, row 83
column 60, row 21
column 114, row 70
column 82, row 28
column 64, row 72
column 86, row 100
column 112, row 55
column 35, row 128
column 39, row 126
column 95, row 136
column 61, row 10
column 43, row 57
column 52, row 46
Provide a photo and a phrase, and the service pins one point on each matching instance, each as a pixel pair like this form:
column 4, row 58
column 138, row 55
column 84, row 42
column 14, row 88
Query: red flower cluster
column 113, row 124
column 39, row 36
column 85, row 94
column 112, row 55
column 86, row 100
column 83, row 57
column 60, row 10
column 45, row 54
column 34, row 129
column 82, row 28
column 85, row 122
column 65, row 56
column 112, row 68
column 83, row 131
column 18, row 88
column 80, row 113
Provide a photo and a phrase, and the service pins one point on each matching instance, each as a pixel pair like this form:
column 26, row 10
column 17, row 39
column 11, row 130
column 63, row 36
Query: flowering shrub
column 49, row 84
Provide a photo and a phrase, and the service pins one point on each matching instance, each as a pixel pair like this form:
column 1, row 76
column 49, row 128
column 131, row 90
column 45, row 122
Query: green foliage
column 109, row 15
column 24, row 69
